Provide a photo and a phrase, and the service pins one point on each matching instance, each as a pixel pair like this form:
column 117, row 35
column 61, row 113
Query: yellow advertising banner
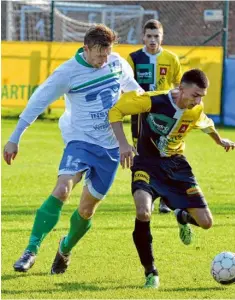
column 25, row 65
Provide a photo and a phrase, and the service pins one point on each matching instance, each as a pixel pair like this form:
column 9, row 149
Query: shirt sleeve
column 131, row 103
column 128, row 83
column 54, row 87
column 204, row 123
column 177, row 71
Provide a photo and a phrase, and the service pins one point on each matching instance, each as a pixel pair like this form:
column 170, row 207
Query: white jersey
column 89, row 94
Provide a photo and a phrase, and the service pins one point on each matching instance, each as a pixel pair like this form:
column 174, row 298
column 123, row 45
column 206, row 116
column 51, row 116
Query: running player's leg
column 48, row 214
column 201, row 217
column 185, row 194
column 101, row 165
column 80, row 223
column 46, row 219
column 142, row 232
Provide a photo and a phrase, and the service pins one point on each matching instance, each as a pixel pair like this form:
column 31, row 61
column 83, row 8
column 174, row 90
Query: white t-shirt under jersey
column 89, row 94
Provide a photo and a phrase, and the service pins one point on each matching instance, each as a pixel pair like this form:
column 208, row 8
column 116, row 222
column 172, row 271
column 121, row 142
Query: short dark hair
column 100, row 35
column 152, row 24
column 195, row 76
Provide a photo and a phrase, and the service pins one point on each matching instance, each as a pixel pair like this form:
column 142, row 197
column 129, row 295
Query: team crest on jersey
column 115, row 66
column 141, row 175
column 183, row 128
column 163, row 71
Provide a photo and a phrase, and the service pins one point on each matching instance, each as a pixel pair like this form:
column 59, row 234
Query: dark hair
column 152, row 24
column 195, row 76
column 100, row 35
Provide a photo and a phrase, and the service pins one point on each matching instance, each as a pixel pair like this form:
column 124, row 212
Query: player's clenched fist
column 10, row 151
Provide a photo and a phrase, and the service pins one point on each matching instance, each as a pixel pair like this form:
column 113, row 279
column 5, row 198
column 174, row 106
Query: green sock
column 46, row 218
column 78, row 227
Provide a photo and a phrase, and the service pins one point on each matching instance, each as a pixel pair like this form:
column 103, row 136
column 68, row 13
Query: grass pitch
column 105, row 263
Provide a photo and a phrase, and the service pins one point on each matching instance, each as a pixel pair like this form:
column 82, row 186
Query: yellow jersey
column 160, row 71
column 163, row 125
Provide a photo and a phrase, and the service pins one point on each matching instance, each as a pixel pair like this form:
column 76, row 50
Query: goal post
column 31, row 20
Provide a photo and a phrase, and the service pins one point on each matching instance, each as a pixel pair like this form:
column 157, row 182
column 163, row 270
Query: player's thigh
column 104, row 164
column 75, row 158
column 178, row 185
column 88, row 204
column 202, row 216
column 65, row 184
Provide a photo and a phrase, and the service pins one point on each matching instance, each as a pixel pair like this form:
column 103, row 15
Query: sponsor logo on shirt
column 163, row 71
column 175, row 138
column 141, row 175
column 99, row 115
column 160, row 82
column 183, row 128
column 187, row 121
column 145, row 73
column 160, row 124
column 101, row 126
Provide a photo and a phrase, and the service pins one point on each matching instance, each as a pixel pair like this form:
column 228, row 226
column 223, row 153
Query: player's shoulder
column 159, row 98
column 115, row 56
column 69, row 64
column 116, row 59
column 169, row 54
column 157, row 93
column 135, row 54
column 197, row 110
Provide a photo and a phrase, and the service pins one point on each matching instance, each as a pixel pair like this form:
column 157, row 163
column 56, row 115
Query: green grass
column 104, row 263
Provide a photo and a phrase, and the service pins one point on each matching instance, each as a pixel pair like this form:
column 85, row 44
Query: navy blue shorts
column 170, row 178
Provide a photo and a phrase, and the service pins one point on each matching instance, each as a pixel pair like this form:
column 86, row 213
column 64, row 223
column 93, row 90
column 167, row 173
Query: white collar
column 173, row 103
column 149, row 54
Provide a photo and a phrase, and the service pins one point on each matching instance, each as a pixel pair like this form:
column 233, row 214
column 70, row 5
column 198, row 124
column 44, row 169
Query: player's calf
column 201, row 216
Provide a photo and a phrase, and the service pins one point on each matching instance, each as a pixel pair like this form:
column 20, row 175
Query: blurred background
column 37, row 36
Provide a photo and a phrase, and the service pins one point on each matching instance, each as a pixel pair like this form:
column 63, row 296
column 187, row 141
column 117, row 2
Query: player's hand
column 126, row 155
column 227, row 144
column 10, row 151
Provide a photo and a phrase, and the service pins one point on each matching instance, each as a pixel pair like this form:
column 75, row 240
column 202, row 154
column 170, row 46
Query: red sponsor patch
column 183, row 128
column 163, row 71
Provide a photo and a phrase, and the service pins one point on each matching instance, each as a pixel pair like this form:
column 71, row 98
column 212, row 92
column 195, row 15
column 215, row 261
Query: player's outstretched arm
column 225, row 143
column 56, row 85
column 126, row 150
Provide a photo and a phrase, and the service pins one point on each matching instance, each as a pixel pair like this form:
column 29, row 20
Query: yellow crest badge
column 141, row 175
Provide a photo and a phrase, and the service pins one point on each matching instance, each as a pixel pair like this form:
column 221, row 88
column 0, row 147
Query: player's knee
column 62, row 192
column 143, row 214
column 206, row 223
column 86, row 213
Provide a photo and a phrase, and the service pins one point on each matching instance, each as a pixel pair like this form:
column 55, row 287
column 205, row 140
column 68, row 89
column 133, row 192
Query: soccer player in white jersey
column 92, row 82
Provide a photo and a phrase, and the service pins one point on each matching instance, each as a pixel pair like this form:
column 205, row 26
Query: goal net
column 34, row 20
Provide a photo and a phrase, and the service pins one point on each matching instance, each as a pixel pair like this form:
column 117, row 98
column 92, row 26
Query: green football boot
column 152, row 281
column 185, row 231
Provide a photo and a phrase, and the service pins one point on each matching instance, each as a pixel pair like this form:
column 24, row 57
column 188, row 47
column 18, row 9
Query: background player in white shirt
column 92, row 82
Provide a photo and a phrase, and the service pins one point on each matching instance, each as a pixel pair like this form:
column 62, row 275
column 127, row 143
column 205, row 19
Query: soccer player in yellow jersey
column 155, row 68
column 159, row 168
